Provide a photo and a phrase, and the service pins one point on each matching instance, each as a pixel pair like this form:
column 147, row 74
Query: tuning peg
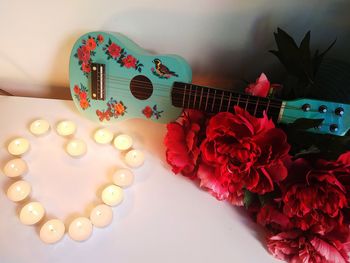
column 322, row 109
column 333, row 128
column 306, row 107
column 339, row 111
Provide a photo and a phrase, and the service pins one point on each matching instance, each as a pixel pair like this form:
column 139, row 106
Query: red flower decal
column 129, row 61
column 114, row 50
column 83, row 54
column 76, row 89
column 100, row 39
column 86, row 67
column 91, row 44
column 148, row 112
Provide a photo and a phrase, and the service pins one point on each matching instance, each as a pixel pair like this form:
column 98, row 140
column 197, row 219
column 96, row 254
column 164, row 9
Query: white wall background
column 221, row 39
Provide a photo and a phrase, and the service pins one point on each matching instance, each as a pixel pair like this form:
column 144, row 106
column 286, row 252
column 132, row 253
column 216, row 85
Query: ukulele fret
column 189, row 97
column 206, row 101
column 184, row 96
column 238, row 99
column 195, row 98
column 200, row 101
column 212, row 106
column 222, row 97
column 246, row 103
column 256, row 106
column 229, row 102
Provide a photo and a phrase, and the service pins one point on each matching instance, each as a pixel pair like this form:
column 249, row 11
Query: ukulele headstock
column 336, row 116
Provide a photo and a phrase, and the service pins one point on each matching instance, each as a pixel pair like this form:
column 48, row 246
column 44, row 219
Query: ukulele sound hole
column 141, row 87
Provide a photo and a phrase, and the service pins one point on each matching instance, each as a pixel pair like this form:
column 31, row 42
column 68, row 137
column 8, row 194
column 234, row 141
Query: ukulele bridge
column 98, row 80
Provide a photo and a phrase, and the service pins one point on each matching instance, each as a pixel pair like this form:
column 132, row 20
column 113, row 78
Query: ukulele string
column 226, row 99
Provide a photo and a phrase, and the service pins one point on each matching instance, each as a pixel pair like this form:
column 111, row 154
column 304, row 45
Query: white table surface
column 163, row 218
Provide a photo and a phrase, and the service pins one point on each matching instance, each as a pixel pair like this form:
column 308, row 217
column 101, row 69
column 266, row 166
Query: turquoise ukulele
column 112, row 79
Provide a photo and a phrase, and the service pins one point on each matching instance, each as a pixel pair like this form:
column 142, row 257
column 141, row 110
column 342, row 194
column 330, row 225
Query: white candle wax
column 112, row 195
column 80, row 229
column 52, row 231
column 123, row 142
column 123, row 177
column 76, row 147
column 134, row 158
column 18, row 146
column 15, row 167
column 39, row 127
column 66, row 128
column 103, row 136
column 19, row 191
column 101, row 215
column 31, row 213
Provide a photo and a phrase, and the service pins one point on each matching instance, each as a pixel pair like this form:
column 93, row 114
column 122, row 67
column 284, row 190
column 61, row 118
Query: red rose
column 90, row 44
column 76, row 89
column 129, row 61
column 245, row 152
column 296, row 246
column 86, row 67
column 83, row 95
column 100, row 39
column 114, row 50
column 182, row 143
column 83, row 54
column 315, row 198
column 148, row 112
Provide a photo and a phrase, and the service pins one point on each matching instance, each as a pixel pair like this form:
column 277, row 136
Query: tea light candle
column 80, row 229
column 18, row 146
column 134, row 158
column 31, row 213
column 66, row 128
column 123, row 142
column 39, row 127
column 101, row 215
column 15, row 167
column 52, row 231
column 103, row 136
column 123, row 177
column 76, row 148
column 19, row 191
column 112, row 195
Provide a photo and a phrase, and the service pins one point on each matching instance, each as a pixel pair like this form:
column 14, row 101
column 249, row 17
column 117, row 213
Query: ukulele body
column 132, row 83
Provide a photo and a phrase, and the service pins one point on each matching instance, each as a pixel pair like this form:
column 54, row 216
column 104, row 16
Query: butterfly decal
column 104, row 115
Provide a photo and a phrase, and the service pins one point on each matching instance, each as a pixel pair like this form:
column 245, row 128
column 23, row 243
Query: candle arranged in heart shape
column 18, row 146
column 39, row 127
column 80, row 228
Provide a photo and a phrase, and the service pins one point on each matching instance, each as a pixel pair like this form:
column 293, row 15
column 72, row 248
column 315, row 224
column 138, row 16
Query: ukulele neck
column 192, row 96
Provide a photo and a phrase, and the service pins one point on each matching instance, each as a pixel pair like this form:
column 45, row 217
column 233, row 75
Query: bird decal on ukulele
column 161, row 70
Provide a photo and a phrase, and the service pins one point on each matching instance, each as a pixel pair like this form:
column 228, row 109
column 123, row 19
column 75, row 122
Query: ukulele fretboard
column 207, row 99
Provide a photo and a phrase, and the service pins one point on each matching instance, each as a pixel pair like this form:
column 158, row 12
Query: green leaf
column 305, row 123
column 317, row 59
column 249, row 198
column 309, row 151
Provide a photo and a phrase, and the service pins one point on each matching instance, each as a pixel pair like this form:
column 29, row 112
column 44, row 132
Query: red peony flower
column 100, row 39
column 296, row 246
column 114, row 50
column 245, row 152
column 261, row 87
column 90, row 44
column 148, row 112
column 182, row 143
column 129, row 61
column 83, row 54
column 317, row 197
column 76, row 89
column 270, row 217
